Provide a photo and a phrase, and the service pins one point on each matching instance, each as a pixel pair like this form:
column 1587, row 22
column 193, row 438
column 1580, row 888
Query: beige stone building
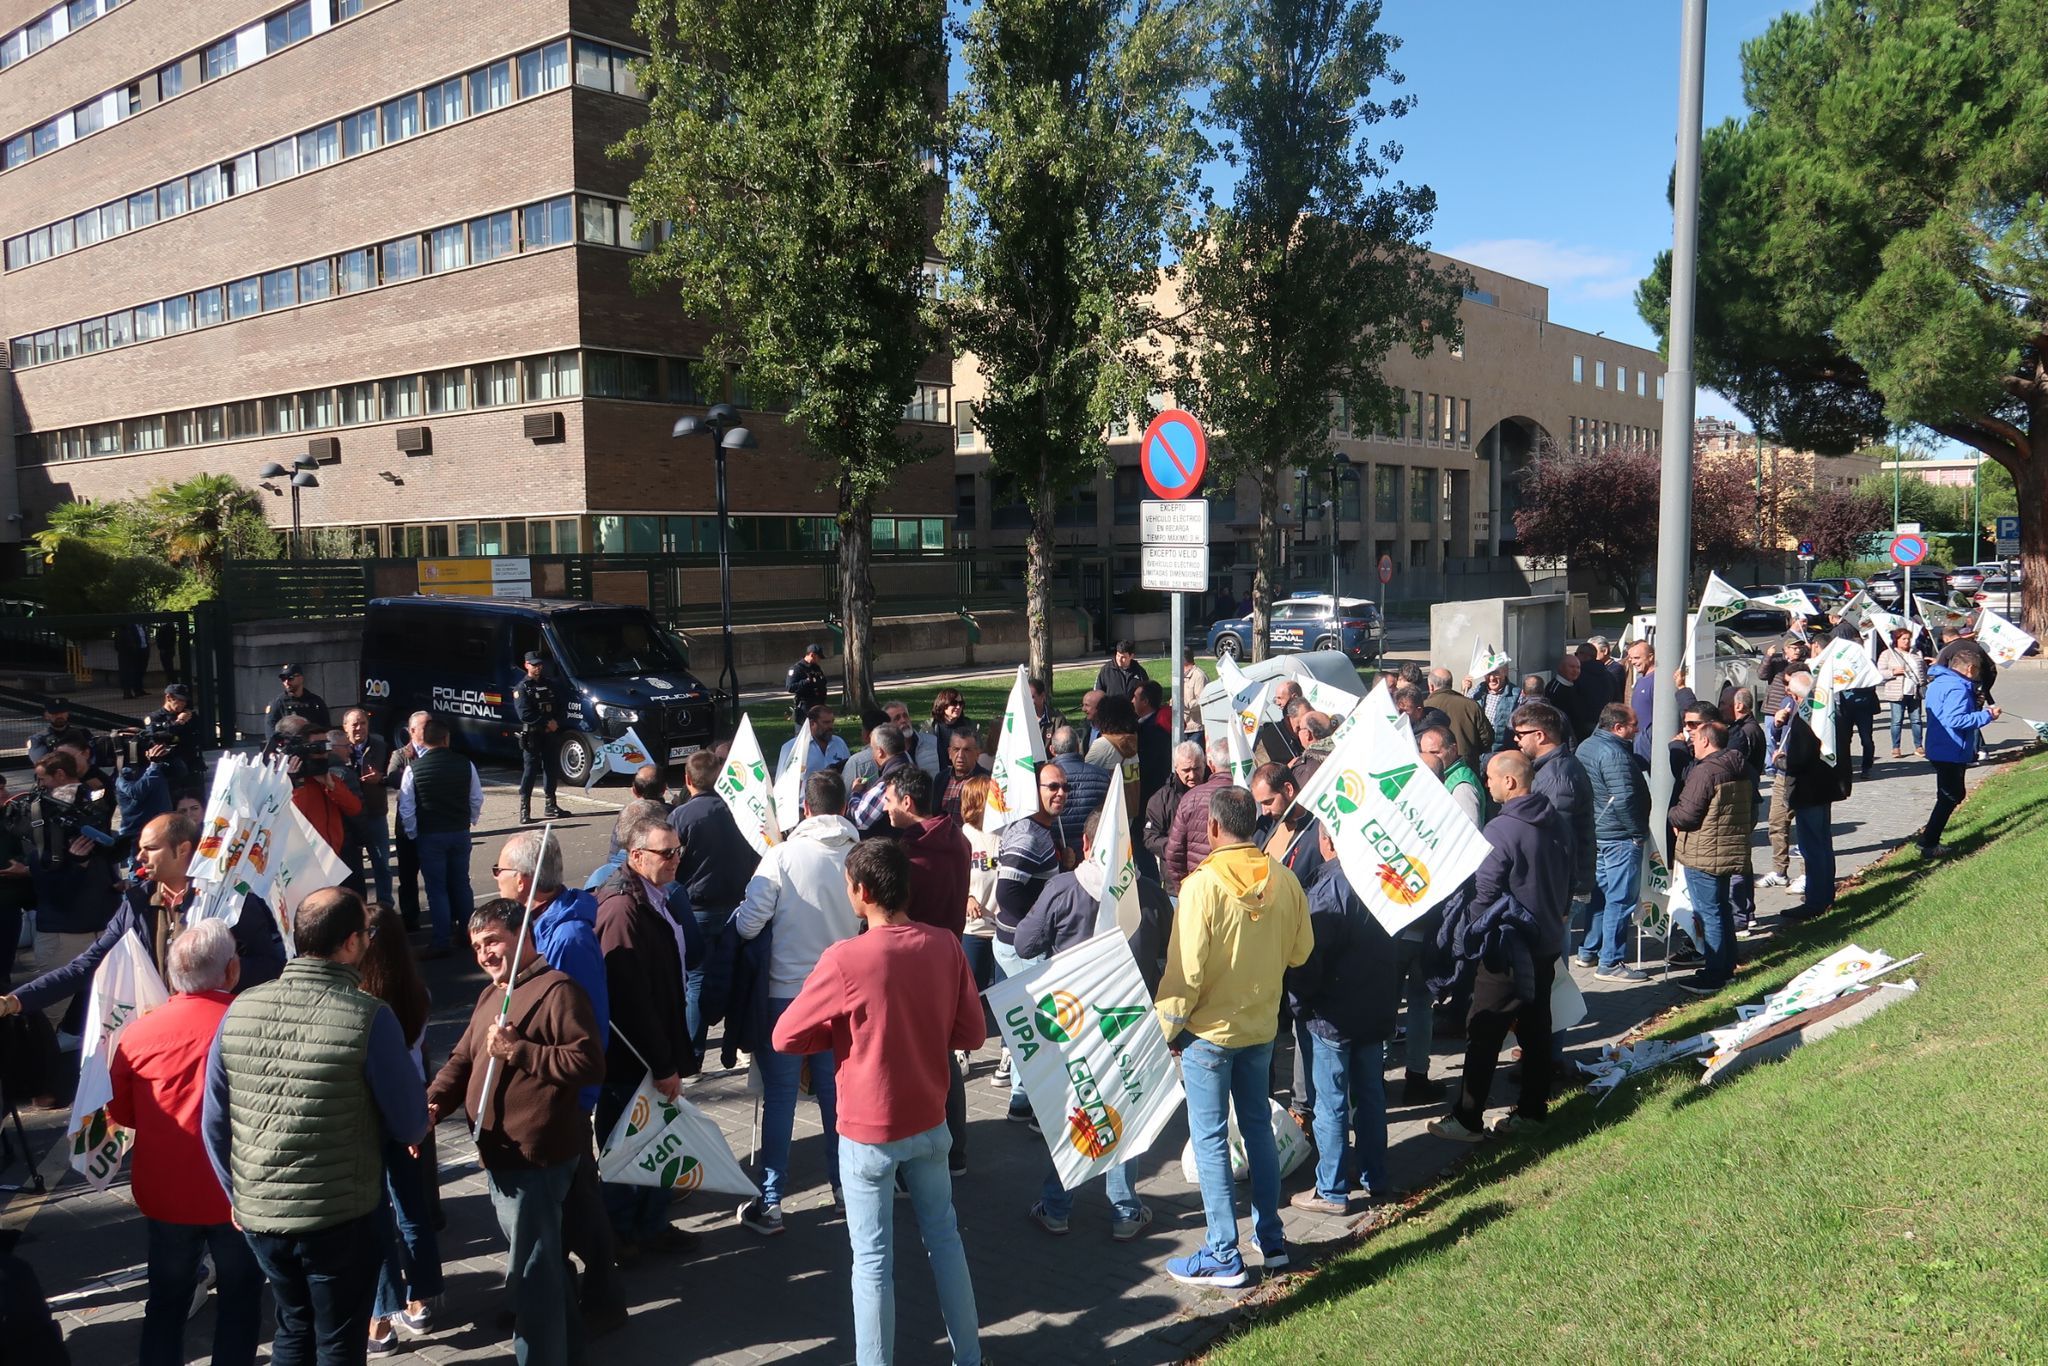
column 1436, row 496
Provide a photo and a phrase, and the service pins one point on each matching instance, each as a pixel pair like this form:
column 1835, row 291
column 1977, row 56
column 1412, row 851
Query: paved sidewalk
column 742, row 1299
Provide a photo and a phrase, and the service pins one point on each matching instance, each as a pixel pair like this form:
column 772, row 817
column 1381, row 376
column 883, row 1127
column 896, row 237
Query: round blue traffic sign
column 1175, row 454
column 1908, row 548
column 1806, row 550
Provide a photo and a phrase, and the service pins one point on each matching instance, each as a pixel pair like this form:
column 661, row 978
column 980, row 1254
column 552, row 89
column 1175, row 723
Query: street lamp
column 302, row 477
column 722, row 425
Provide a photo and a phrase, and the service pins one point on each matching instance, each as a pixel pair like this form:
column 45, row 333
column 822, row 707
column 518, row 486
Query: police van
column 612, row 667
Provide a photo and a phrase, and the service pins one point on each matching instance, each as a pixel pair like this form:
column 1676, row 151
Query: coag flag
column 1485, row 659
column 1404, row 842
column 254, row 842
column 671, row 1144
column 1081, row 1029
column 1112, row 856
column 125, row 986
column 743, row 786
column 623, row 755
column 1020, row 749
column 2003, row 641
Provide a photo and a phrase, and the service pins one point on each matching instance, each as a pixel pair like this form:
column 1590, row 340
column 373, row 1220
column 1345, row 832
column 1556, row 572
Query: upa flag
column 1081, row 1030
column 2003, row 641
column 670, row 1144
column 1374, row 711
column 1790, row 600
column 1118, row 909
column 1719, row 600
column 125, row 986
column 1020, row 749
column 1404, row 842
column 1485, row 659
column 623, row 755
column 1845, row 664
column 743, row 786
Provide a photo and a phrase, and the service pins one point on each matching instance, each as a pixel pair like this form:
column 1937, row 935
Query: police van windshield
column 612, row 644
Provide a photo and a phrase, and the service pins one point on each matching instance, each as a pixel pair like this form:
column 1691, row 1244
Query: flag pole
column 511, row 979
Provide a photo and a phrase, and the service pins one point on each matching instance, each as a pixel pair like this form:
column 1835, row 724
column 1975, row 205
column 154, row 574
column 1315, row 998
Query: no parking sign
column 1175, row 454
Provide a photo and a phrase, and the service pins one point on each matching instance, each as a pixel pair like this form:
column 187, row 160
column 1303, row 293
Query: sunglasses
column 1052, row 787
column 667, row 855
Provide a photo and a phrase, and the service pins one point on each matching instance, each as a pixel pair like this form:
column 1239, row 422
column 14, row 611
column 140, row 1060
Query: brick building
column 384, row 234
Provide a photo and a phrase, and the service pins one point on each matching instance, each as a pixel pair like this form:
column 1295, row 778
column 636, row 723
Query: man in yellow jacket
column 1242, row 922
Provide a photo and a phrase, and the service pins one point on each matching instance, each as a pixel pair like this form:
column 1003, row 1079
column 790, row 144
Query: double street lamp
column 722, row 425
column 302, row 477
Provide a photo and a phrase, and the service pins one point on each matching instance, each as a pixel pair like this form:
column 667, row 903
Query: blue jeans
column 1214, row 1078
column 710, row 926
column 779, row 1075
column 1901, row 713
column 1417, row 957
column 1772, row 730
column 373, row 837
column 444, row 867
column 412, row 1248
column 1348, row 1079
column 174, row 1251
column 1011, row 965
column 1618, row 873
column 537, row 1279
column 1116, row 1183
column 870, row 1171
column 1716, row 910
column 1812, row 827
column 321, row 1286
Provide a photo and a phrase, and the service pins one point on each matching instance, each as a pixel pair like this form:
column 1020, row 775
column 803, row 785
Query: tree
column 790, row 147
column 1874, row 238
column 194, row 518
column 1075, row 150
column 1596, row 508
column 1298, row 289
column 161, row 550
column 1839, row 522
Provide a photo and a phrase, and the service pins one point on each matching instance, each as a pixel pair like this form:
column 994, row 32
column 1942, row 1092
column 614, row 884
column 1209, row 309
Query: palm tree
column 77, row 522
column 192, row 517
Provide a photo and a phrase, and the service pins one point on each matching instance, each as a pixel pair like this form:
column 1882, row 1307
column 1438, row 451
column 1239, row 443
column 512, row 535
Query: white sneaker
column 1774, row 880
column 1798, row 887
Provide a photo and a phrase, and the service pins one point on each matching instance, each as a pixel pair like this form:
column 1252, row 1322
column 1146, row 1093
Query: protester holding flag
column 1497, row 699
column 891, row 1005
column 1241, row 923
column 1814, row 783
column 821, row 746
column 1905, row 682
column 798, row 892
column 1030, row 856
column 530, row 1131
column 158, row 1074
column 1953, row 720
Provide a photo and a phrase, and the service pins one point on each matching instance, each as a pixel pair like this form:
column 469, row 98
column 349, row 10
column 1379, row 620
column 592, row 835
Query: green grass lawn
column 1879, row 1195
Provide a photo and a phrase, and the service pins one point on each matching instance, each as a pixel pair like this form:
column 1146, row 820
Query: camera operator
column 296, row 701
column 57, row 730
column 156, row 907
column 72, row 866
column 142, row 784
column 320, row 793
column 177, row 720
column 537, row 705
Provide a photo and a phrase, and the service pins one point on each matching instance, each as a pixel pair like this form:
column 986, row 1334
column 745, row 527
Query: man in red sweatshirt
column 910, row 988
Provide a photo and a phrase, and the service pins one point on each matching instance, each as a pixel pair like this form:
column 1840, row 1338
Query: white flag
column 1020, row 749
column 1790, row 600
column 2003, row 641
column 1818, row 711
column 125, row 986
column 1719, row 600
column 1937, row 615
column 743, row 786
column 1081, row 1029
column 1485, row 659
column 789, row 783
column 2040, row 728
column 671, row 1144
column 1884, row 623
column 1112, row 856
column 255, row 842
column 1856, row 611
column 1404, row 842
column 1329, row 699
column 623, row 755
column 1845, row 664
column 1375, row 710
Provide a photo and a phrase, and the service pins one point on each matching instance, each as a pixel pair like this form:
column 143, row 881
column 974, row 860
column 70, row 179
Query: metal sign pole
column 1177, row 632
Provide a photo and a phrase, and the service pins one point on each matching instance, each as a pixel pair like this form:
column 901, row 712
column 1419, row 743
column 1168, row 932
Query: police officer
column 186, row 761
column 539, row 712
column 296, row 701
column 58, row 730
column 806, row 682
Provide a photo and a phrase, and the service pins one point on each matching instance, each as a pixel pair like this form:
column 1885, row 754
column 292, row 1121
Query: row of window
column 534, row 227
column 465, row 96
column 1621, row 374
column 1591, row 434
column 61, row 22
column 416, row 540
column 252, row 44
column 634, row 534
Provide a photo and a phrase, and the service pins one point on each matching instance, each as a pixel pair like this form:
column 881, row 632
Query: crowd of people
column 284, row 1112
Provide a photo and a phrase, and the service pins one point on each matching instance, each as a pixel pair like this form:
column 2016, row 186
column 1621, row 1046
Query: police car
column 1309, row 621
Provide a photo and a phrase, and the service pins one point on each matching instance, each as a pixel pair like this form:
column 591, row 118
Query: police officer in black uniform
column 295, row 700
column 807, row 684
column 58, row 730
column 537, row 705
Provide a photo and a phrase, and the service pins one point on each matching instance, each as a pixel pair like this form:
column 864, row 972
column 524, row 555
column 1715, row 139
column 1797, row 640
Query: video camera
column 310, row 749
column 132, row 747
column 52, row 820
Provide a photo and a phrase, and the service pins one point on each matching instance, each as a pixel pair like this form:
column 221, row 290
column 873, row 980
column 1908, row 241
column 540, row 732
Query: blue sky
column 1547, row 130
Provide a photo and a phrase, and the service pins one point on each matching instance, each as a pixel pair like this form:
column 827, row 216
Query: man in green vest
column 306, row 1082
column 440, row 799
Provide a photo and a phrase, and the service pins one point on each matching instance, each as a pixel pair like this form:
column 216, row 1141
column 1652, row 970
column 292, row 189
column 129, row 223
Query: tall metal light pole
column 302, row 477
column 1674, row 528
column 722, row 425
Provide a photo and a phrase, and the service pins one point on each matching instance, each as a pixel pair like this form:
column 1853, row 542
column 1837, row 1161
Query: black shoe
column 525, row 812
column 553, row 812
column 599, row 1321
column 1417, row 1088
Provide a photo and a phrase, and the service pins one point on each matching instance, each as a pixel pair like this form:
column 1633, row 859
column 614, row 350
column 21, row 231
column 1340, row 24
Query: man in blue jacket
column 1953, row 720
column 1349, row 992
column 1621, row 812
column 715, row 866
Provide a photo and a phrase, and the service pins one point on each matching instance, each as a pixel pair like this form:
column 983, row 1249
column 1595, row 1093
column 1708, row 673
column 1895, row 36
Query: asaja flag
column 1719, row 600
column 1485, row 659
column 623, row 755
column 1118, row 909
column 1081, row 1029
column 125, row 986
column 743, row 786
column 2003, row 641
column 1402, row 840
column 1845, row 664
column 1329, row 699
column 1020, row 749
column 671, row 1144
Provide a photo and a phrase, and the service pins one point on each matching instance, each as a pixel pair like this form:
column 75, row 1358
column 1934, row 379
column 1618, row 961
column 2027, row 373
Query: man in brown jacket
column 530, row 1126
column 1467, row 719
column 1712, row 820
column 1187, row 843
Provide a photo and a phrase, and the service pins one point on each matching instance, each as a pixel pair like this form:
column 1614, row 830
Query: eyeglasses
column 1052, row 787
column 667, row 855
column 1527, row 731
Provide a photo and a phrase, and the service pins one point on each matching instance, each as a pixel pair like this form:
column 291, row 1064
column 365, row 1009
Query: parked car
column 1759, row 621
column 1999, row 579
column 1965, row 578
column 1884, row 587
column 1822, row 593
column 1845, row 588
column 1308, row 621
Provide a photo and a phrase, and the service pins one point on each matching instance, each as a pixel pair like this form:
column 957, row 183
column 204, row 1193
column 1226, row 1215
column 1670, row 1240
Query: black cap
column 814, row 648
column 288, row 671
column 56, row 704
column 179, row 691
column 535, row 657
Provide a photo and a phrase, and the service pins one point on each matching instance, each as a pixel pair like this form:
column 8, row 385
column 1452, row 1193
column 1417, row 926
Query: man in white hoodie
column 800, row 889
